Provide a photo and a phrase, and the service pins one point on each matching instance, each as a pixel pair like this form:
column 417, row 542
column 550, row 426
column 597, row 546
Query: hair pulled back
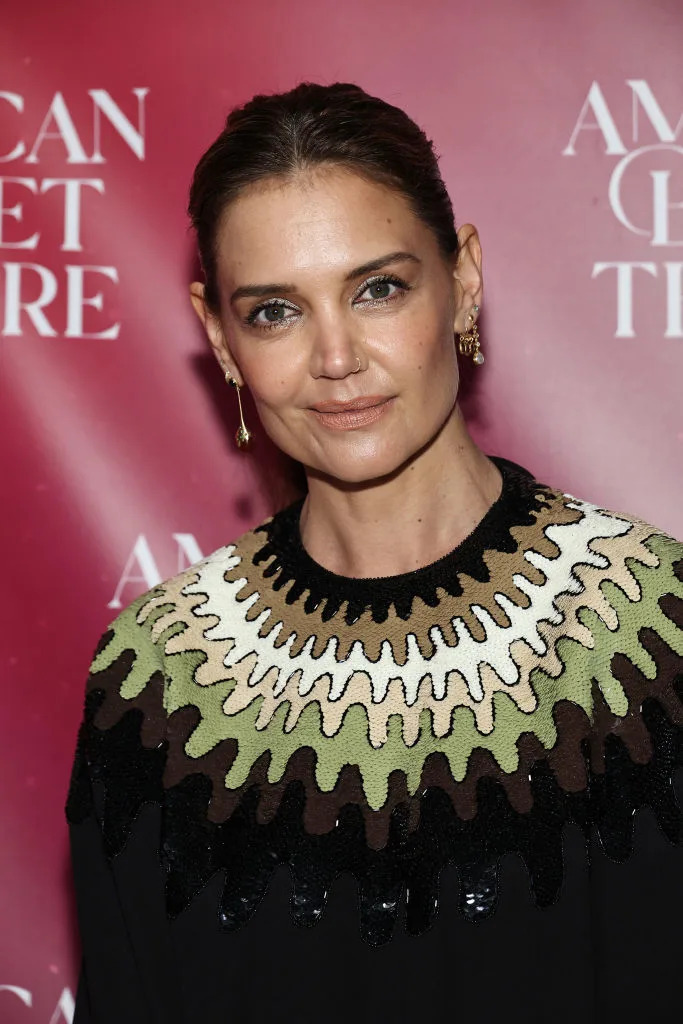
column 281, row 134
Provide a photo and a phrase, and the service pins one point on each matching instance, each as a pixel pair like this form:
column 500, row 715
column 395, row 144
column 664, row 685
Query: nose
column 336, row 348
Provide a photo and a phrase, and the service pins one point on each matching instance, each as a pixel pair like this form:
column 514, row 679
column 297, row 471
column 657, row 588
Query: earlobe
column 214, row 331
column 467, row 275
column 207, row 318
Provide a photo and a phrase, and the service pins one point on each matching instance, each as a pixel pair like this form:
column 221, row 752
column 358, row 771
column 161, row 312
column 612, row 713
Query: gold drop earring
column 242, row 435
column 468, row 341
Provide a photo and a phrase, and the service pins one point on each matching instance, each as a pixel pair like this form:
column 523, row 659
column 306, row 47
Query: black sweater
column 302, row 797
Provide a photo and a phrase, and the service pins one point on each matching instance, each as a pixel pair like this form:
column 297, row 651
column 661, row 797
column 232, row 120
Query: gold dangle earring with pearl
column 468, row 341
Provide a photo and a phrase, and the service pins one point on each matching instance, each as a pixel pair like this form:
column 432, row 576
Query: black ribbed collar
column 291, row 563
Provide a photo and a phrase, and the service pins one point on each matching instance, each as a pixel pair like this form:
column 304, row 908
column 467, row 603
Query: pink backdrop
column 560, row 130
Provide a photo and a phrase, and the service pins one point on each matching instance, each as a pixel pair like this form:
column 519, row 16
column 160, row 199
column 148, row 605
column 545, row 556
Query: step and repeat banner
column 560, row 136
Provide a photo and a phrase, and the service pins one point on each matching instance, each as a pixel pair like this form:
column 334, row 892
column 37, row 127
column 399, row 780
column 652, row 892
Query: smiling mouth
column 358, row 412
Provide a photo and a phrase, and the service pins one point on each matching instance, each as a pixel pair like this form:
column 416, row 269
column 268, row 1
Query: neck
column 405, row 521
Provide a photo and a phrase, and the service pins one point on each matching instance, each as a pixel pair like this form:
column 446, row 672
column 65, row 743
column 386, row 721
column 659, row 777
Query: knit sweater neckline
column 515, row 505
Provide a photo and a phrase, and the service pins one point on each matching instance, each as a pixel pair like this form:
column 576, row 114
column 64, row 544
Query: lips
column 365, row 402
column 352, row 414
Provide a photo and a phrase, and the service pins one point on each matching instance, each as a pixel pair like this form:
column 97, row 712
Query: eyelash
column 250, row 319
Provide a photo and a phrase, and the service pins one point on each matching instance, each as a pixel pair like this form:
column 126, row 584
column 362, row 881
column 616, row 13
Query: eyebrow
column 261, row 290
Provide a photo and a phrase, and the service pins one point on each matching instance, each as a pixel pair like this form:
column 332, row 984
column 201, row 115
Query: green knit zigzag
column 351, row 743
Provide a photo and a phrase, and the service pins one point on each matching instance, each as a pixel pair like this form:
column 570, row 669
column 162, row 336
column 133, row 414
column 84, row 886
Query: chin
column 365, row 467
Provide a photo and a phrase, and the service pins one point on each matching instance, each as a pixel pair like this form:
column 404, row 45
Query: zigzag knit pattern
column 389, row 727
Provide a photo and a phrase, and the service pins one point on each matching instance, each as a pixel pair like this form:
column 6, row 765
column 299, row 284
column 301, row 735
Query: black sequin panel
column 193, row 849
column 113, row 774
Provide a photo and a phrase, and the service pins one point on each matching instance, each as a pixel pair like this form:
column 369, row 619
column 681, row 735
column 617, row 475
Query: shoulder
column 146, row 624
column 569, row 532
column 602, row 528
column 613, row 563
column 164, row 634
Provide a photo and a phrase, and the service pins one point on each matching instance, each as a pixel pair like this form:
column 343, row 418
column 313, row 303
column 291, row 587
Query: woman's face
column 332, row 292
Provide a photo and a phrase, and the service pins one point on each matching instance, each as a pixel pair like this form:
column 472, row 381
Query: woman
column 380, row 756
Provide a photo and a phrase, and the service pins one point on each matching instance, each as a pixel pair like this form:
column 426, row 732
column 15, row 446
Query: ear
column 467, row 275
column 211, row 323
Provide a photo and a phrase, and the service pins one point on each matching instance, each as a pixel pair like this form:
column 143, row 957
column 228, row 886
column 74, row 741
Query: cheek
column 424, row 342
column 271, row 377
column 430, row 370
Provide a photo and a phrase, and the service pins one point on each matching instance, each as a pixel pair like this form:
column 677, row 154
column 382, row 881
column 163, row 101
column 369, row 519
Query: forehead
column 329, row 217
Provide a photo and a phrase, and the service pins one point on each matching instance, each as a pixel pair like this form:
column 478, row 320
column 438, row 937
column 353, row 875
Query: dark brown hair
column 281, row 134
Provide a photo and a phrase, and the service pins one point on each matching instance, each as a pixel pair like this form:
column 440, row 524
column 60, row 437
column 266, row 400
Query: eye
column 379, row 289
column 273, row 314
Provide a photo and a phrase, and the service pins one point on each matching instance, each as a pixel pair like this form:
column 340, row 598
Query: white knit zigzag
column 572, row 539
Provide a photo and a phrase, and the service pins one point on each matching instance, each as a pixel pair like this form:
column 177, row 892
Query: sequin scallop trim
column 303, row 765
